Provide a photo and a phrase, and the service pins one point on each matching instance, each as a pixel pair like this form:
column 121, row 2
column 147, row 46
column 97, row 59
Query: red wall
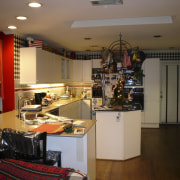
column 8, row 72
column 1, row 70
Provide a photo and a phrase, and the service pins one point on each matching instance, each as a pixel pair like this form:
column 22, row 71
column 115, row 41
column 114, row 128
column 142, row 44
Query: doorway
column 170, row 87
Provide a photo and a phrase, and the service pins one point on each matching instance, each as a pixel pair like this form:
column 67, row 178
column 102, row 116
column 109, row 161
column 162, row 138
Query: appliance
column 96, row 92
column 38, row 97
column 137, row 93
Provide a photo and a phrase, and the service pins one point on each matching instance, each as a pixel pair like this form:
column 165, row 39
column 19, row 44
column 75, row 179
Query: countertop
column 11, row 120
column 59, row 103
column 123, row 108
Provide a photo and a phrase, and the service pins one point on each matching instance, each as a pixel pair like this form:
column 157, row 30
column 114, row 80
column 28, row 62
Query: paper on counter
column 62, row 119
column 78, row 122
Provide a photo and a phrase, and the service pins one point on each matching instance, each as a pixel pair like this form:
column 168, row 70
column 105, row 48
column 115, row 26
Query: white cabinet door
column 56, row 74
column 96, row 63
column 63, row 69
column 39, row 66
column 28, row 65
column 43, row 66
column 82, row 70
column 151, row 70
column 35, row 66
column 66, row 70
column 69, row 70
column 86, row 109
column 87, row 70
column 76, row 110
column 71, row 110
column 77, row 70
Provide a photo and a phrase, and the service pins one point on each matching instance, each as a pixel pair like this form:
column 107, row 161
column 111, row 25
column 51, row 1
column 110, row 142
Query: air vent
column 105, row 2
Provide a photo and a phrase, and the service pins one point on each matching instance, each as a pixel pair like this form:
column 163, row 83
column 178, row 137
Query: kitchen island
column 77, row 151
column 118, row 134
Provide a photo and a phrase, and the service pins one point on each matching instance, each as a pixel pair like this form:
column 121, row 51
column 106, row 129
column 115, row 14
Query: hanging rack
column 117, row 47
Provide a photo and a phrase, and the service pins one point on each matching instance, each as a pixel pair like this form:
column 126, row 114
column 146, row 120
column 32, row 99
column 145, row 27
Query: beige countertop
column 11, row 120
column 60, row 102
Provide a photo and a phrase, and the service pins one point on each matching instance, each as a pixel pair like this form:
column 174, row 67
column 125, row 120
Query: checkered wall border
column 19, row 42
column 163, row 55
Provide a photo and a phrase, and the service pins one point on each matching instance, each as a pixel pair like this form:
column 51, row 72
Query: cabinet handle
column 118, row 117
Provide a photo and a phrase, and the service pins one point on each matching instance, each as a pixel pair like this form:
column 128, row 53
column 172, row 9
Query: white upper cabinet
column 56, row 67
column 82, row 70
column 67, row 69
column 96, row 63
column 38, row 66
column 87, row 70
column 77, row 70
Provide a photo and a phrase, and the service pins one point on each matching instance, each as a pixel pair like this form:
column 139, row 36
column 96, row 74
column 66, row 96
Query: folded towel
column 49, row 128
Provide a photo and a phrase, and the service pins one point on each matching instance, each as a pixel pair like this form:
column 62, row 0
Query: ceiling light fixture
column 157, row 36
column 12, row 27
column 122, row 21
column 172, row 47
column 21, row 18
column 34, row 4
column 87, row 38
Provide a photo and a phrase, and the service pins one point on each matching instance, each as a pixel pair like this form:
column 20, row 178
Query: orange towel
column 49, row 128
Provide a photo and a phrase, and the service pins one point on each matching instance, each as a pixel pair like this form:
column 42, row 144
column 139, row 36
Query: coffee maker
column 39, row 97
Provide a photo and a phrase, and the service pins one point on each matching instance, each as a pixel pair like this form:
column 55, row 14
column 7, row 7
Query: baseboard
column 149, row 125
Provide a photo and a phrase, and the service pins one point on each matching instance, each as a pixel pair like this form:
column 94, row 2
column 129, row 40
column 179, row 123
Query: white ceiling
column 52, row 21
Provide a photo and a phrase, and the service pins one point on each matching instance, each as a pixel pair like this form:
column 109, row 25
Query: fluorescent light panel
column 122, row 22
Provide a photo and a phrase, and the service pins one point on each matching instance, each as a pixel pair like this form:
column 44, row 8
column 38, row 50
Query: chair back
column 27, row 146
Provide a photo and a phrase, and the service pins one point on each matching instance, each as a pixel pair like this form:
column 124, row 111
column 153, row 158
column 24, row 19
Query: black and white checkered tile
column 19, row 42
column 163, row 55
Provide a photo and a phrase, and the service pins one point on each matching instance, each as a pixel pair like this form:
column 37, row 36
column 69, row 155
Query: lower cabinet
column 80, row 109
column 86, row 109
column 71, row 110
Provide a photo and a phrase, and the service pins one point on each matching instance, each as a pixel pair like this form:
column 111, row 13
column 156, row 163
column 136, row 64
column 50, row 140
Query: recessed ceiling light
column 172, row 47
column 157, row 36
column 12, row 27
column 34, row 4
column 21, row 18
column 94, row 45
column 87, row 38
